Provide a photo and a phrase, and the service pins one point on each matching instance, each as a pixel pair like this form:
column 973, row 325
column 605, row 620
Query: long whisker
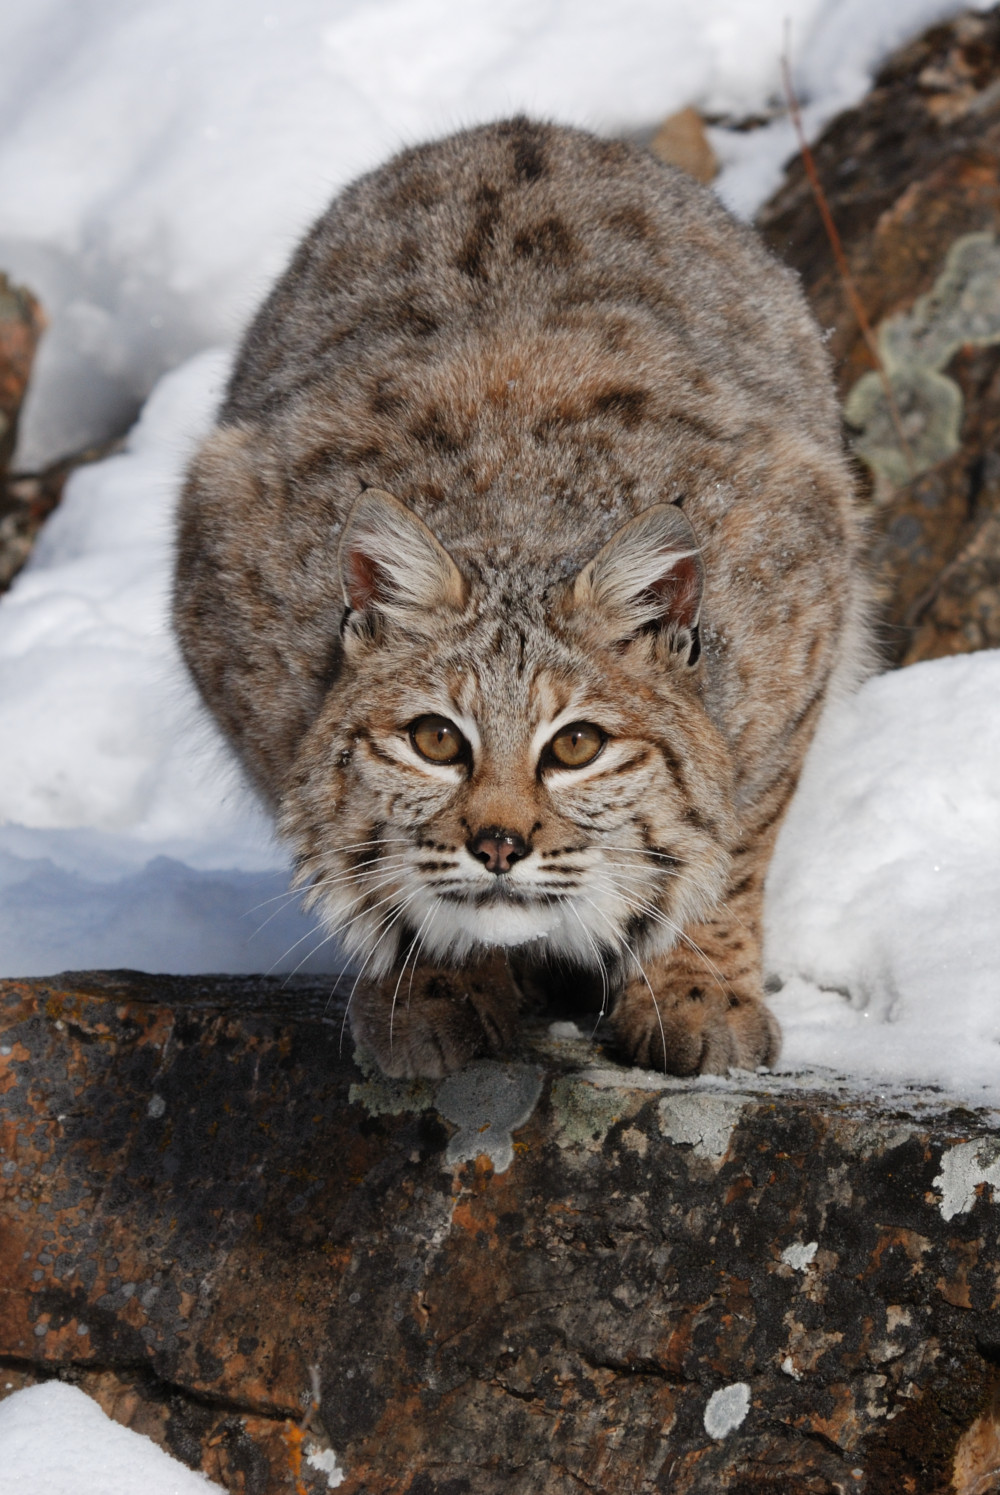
column 643, row 853
column 337, row 851
column 326, row 939
column 314, row 892
column 301, row 873
column 380, row 864
column 598, row 957
column 411, row 949
column 621, row 940
column 388, row 920
column 429, row 919
column 343, row 923
column 658, row 916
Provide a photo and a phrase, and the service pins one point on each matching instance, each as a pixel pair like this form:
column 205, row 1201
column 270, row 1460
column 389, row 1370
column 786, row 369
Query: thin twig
column 840, row 258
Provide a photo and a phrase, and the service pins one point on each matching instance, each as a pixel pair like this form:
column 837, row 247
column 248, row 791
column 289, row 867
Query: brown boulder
column 912, row 177
column 553, row 1274
column 21, row 325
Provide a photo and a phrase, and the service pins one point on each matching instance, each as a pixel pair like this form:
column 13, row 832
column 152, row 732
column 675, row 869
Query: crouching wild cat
column 517, row 570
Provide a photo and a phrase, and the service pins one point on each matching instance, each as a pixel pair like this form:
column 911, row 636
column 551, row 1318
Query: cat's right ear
column 390, row 563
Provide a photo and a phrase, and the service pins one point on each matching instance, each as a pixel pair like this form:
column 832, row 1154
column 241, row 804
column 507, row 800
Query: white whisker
column 621, row 940
column 641, row 905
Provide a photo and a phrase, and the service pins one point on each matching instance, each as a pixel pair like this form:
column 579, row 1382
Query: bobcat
column 517, row 570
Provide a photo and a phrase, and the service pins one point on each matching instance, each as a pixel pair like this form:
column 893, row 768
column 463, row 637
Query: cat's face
column 494, row 769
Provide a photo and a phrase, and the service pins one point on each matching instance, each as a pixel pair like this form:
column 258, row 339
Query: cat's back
column 522, row 229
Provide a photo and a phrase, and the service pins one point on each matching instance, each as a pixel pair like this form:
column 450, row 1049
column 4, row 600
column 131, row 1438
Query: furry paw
column 698, row 1031
column 438, row 1025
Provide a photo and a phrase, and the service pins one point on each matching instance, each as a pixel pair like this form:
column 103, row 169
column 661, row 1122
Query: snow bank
column 118, row 803
column 54, row 1440
column 884, row 892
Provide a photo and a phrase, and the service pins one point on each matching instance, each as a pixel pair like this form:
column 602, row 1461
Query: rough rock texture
column 21, row 325
column 26, row 499
column 682, row 141
column 912, row 177
column 550, row 1275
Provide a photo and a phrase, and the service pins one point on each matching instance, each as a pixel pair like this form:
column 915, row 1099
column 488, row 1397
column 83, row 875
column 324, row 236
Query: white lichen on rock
column 963, row 1168
column 325, row 1460
column 704, row 1122
column 488, row 1101
column 726, row 1409
column 798, row 1255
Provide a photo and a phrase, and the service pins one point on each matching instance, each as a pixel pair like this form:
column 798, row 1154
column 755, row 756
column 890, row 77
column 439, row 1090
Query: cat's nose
column 498, row 849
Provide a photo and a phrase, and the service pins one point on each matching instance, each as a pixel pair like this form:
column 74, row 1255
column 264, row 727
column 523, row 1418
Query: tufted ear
column 648, row 577
column 390, row 561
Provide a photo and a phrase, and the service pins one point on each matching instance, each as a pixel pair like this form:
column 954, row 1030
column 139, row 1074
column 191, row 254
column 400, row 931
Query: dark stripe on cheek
column 674, row 768
column 628, row 765
column 701, row 822
column 663, row 854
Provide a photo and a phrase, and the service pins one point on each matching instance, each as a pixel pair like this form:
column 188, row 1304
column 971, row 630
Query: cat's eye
column 438, row 740
column 576, row 745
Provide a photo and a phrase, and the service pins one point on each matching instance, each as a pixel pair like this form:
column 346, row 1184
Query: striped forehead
column 506, row 673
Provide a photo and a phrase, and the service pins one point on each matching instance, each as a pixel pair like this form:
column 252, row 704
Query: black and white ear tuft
column 390, row 561
column 649, row 577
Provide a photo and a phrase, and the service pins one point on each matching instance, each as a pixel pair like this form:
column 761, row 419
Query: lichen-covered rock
column 629, row 1283
column 24, row 503
column 912, row 177
column 21, row 325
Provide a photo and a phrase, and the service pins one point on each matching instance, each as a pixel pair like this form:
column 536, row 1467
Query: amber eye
column 438, row 740
column 577, row 745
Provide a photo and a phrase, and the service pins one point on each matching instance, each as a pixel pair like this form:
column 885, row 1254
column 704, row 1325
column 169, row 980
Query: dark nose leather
column 498, row 849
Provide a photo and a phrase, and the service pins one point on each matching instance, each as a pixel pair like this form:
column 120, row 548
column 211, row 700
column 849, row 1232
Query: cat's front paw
column 438, row 1024
column 698, row 1030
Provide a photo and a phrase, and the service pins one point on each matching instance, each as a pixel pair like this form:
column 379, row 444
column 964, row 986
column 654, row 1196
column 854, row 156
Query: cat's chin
column 497, row 924
column 458, row 930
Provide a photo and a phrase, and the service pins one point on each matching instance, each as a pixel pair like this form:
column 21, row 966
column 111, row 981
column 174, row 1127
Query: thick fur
column 521, row 339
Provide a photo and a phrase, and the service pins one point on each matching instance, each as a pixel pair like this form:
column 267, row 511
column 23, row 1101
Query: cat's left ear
column 391, row 563
column 648, row 577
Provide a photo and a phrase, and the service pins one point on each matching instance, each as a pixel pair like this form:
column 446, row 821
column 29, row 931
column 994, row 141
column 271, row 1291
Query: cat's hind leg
column 427, row 1023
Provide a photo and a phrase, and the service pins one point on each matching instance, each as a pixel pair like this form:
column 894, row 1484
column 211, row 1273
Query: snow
column 884, row 891
column 54, row 1440
column 158, row 161
column 127, row 837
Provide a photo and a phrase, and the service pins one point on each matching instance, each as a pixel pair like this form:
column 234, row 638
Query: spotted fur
column 530, row 432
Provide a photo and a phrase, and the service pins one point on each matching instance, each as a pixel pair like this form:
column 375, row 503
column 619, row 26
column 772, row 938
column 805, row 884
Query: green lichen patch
column 929, row 409
column 962, row 309
column 585, row 1113
column 381, row 1096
